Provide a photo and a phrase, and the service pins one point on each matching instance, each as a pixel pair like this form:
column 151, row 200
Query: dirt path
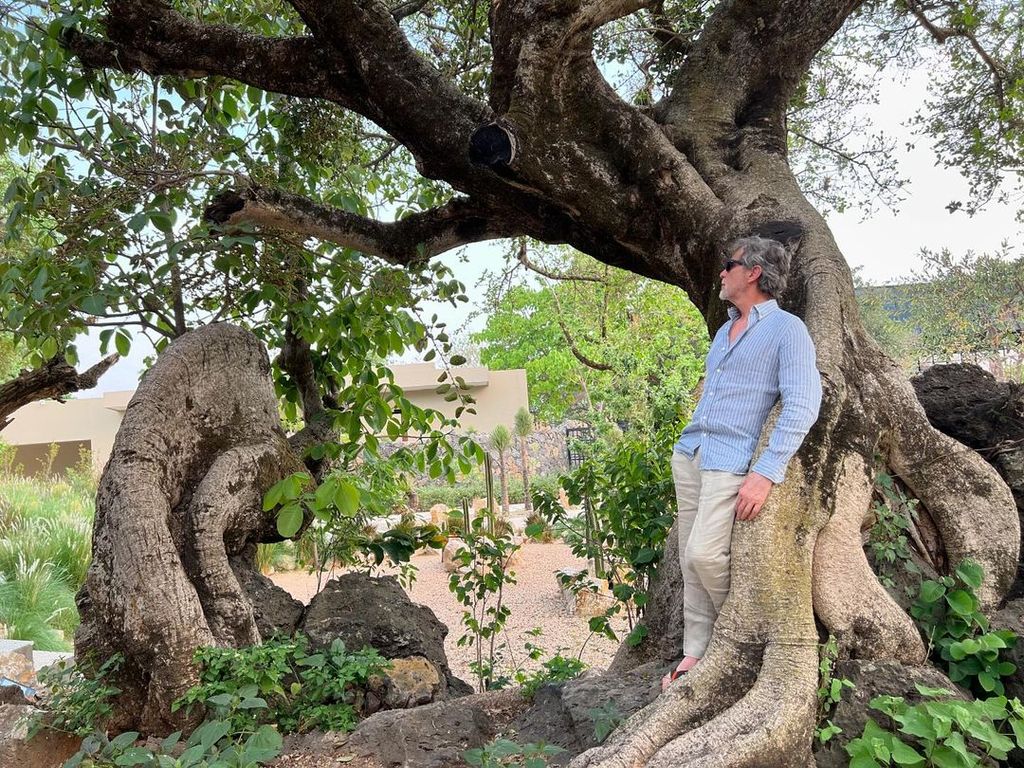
column 534, row 601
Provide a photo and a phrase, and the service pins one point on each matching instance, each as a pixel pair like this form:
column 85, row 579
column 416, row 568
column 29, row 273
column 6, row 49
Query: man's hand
column 752, row 496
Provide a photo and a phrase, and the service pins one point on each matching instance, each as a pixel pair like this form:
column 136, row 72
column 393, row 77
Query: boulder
column 436, row 735
column 48, row 749
column 364, row 610
column 411, row 682
column 439, row 515
column 871, row 679
column 451, row 548
column 275, row 611
column 16, row 661
column 567, row 714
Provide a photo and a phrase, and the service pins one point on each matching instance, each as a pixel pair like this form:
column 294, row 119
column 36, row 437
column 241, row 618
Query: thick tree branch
column 408, row 9
column 53, row 380
column 149, row 36
column 754, row 53
column 409, row 241
column 597, row 13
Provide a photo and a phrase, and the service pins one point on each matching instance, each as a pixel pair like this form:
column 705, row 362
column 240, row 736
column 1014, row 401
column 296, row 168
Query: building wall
column 498, row 394
column 94, row 421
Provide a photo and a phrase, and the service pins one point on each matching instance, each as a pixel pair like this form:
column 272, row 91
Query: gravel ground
column 534, row 601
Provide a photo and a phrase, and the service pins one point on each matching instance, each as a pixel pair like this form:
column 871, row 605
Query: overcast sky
column 886, row 244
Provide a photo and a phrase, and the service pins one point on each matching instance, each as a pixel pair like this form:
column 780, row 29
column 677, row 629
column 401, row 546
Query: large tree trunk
column 751, row 700
column 658, row 191
column 182, row 493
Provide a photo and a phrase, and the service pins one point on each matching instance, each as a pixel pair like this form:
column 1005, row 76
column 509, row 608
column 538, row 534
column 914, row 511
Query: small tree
column 523, row 427
column 501, row 441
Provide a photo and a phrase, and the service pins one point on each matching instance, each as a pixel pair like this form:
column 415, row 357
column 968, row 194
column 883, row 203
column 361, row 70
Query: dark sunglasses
column 730, row 263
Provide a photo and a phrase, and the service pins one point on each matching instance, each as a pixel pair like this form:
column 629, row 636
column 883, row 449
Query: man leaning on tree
column 761, row 355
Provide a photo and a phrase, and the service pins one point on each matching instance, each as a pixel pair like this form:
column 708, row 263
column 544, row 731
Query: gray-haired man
column 762, row 354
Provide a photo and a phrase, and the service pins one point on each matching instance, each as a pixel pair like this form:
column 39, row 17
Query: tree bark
column 54, row 380
column 659, row 192
column 199, row 446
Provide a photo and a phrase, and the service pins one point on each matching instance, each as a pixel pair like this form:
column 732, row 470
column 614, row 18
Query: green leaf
column 264, row 745
column 289, row 520
column 535, row 530
column 971, row 574
column 134, row 756
column 960, row 601
column 122, row 343
column 273, row 497
column 123, row 740
column 95, row 304
column 347, row 498
column 162, row 221
column 138, row 222
column 644, row 556
column 931, row 591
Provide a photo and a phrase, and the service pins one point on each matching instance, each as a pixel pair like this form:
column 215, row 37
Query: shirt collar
column 759, row 310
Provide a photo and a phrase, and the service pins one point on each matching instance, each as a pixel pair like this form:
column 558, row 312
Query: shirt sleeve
column 800, row 390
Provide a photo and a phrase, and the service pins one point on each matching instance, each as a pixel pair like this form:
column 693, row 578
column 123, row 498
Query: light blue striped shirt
column 772, row 358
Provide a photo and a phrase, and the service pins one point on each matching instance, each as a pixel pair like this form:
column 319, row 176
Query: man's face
column 733, row 280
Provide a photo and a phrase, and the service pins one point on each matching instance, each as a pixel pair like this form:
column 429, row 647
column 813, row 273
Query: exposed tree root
column 762, row 727
column 968, row 501
column 848, row 598
column 712, row 686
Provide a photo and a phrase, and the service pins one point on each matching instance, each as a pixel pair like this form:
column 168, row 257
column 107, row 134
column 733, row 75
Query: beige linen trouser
column 707, row 507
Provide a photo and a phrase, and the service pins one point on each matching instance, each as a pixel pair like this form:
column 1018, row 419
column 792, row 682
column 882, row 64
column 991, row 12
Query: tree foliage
column 968, row 305
column 578, row 341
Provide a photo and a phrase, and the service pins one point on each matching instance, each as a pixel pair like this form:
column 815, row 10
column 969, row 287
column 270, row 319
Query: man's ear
column 755, row 276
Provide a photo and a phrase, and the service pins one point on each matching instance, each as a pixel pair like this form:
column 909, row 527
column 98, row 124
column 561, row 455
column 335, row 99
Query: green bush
column 625, row 484
column 211, row 745
column 942, row 732
column 304, row 691
column 79, row 704
column 556, row 669
column 473, row 487
column 949, row 614
column 503, row 752
column 75, row 702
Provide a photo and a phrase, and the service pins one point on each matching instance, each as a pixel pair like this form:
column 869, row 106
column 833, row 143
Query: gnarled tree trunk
column 200, row 444
column 557, row 155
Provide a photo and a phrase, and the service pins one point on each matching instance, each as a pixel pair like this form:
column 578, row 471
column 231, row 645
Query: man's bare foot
column 684, row 666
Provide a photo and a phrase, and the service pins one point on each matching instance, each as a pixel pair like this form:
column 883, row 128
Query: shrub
column 74, row 702
column 948, row 613
column 626, row 487
column 939, row 732
column 555, row 669
column 473, row 487
column 540, row 528
column 304, row 691
column 503, row 752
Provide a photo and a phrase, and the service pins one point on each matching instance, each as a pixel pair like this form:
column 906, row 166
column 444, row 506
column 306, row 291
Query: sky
column 885, row 244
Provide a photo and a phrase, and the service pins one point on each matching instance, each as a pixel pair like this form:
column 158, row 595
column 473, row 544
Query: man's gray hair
column 770, row 255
